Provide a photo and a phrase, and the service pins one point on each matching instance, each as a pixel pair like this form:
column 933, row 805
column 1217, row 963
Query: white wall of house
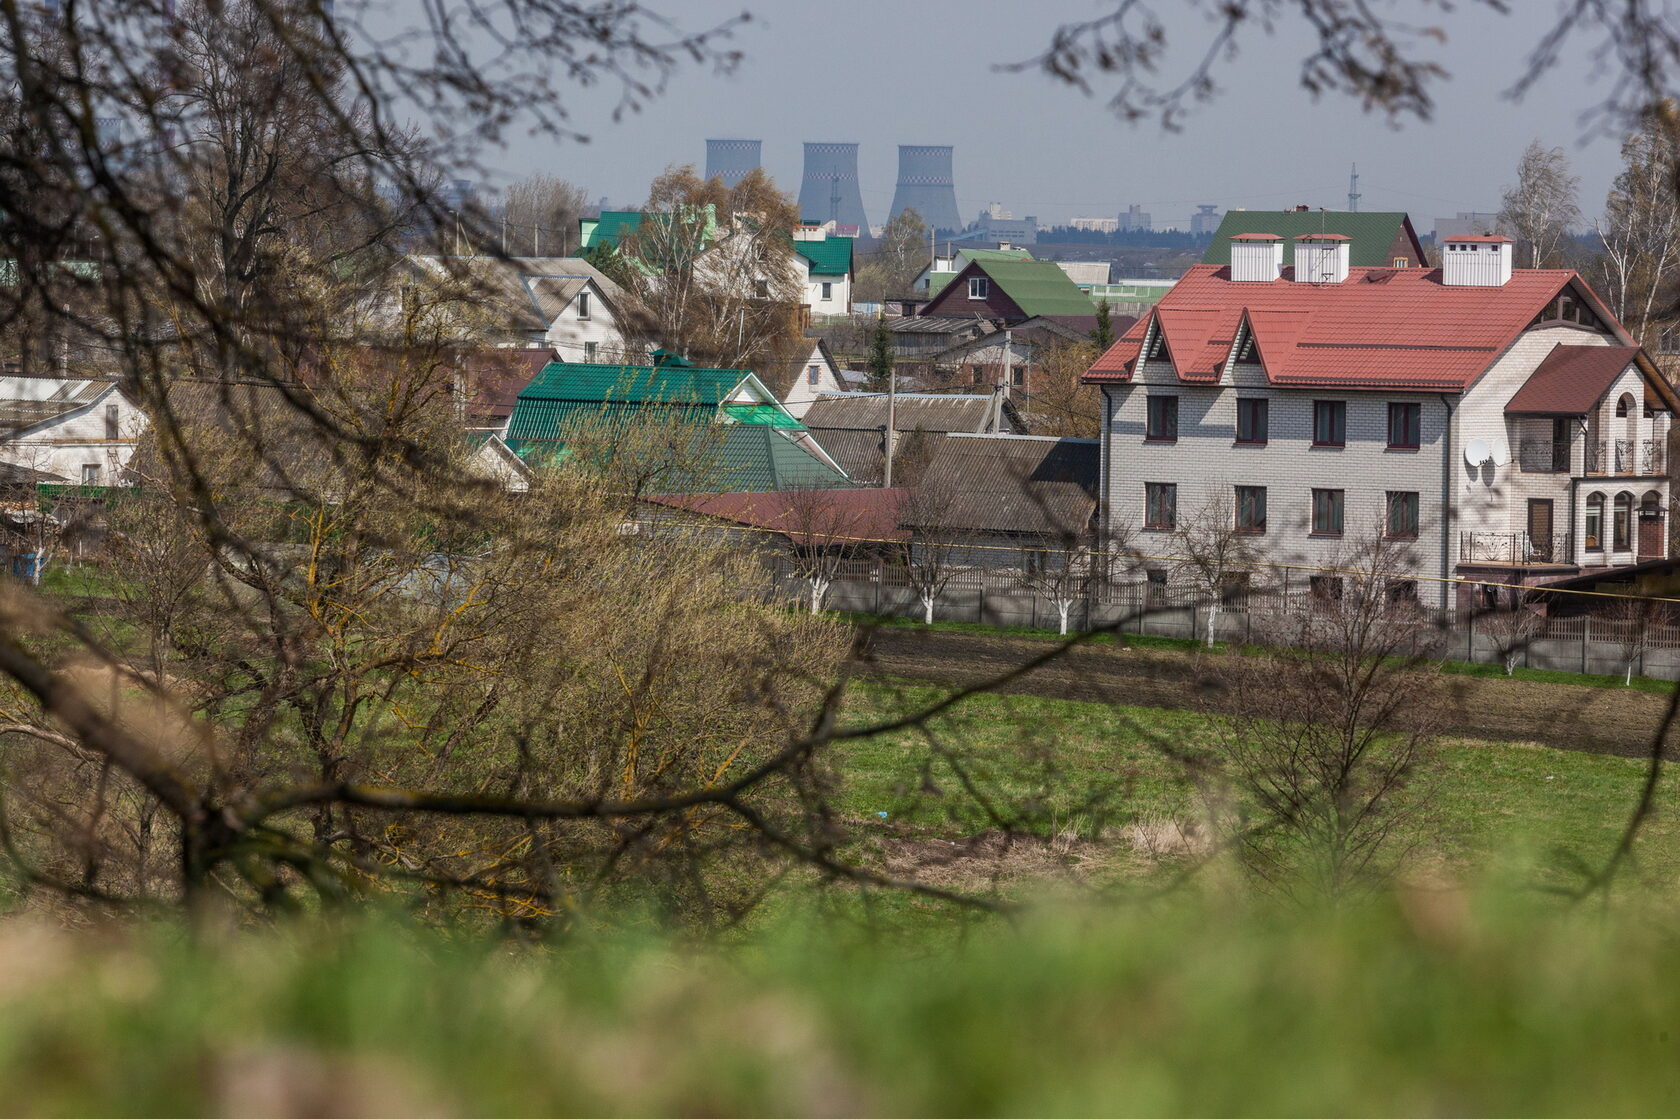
column 90, row 445
column 1206, row 464
column 1495, row 499
column 816, row 376
column 828, row 295
column 587, row 329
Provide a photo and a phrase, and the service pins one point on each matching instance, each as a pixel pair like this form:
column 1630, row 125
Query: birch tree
column 1541, row 210
column 1640, row 230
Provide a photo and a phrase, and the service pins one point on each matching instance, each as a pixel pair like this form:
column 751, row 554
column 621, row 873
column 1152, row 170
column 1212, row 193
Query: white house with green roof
column 827, row 261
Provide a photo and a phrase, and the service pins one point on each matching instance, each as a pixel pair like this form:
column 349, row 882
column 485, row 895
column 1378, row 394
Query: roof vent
column 1321, row 258
column 1476, row 261
column 1256, row 257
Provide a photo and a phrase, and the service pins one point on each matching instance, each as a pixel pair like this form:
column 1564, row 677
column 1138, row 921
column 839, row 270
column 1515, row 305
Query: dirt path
column 1568, row 716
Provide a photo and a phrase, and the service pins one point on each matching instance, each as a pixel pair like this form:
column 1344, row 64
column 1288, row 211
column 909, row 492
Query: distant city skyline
column 1043, row 149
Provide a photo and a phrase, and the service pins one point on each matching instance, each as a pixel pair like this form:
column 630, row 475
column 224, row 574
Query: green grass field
column 1523, row 811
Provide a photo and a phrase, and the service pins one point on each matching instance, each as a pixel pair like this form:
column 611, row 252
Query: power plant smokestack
column 924, row 185
column 830, row 189
column 731, row 160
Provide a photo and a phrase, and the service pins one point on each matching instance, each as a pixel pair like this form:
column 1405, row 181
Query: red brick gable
column 1379, row 328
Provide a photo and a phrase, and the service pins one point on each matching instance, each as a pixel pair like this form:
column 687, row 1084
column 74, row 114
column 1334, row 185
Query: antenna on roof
column 1353, row 189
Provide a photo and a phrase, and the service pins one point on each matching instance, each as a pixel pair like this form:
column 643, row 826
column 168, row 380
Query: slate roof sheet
column 928, row 411
column 1571, row 380
column 1380, row 328
column 1010, row 485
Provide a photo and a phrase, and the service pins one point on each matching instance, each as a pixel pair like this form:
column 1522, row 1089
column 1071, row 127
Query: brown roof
column 1009, row 485
column 804, row 516
column 496, row 377
column 1571, row 380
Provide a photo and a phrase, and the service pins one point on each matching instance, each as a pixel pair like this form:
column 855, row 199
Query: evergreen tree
column 880, row 355
column 1103, row 335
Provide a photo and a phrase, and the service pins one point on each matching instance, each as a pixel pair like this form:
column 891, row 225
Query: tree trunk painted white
column 1063, row 608
column 927, row 608
column 819, row 591
column 1212, row 616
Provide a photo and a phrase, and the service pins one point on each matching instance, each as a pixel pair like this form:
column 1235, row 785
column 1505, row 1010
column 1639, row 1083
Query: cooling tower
column 830, row 189
column 924, row 185
column 730, row 160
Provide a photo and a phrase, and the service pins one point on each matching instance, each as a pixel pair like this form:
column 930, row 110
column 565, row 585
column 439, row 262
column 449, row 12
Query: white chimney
column 1476, row 261
column 1321, row 258
column 1256, row 257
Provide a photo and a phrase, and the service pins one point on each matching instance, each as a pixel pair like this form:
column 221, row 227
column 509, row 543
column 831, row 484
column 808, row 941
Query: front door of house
column 1540, row 529
column 1651, row 532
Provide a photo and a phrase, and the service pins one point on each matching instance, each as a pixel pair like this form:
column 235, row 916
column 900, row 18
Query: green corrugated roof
column 831, row 257
column 548, row 419
column 1372, row 232
column 610, row 227
column 937, row 282
column 762, row 414
column 726, row 458
column 996, row 254
column 665, row 384
column 1038, row 287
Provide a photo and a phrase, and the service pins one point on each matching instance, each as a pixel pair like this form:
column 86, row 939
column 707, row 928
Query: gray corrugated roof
column 1017, row 485
column 928, row 411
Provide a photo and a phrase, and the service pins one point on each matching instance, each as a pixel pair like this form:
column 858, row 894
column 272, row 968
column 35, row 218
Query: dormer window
column 979, row 287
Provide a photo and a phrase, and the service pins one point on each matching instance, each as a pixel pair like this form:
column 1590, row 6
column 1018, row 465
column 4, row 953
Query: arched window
column 1595, row 523
column 1623, row 528
column 1622, row 404
column 1651, row 504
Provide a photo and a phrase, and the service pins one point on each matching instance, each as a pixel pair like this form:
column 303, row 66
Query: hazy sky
column 885, row 72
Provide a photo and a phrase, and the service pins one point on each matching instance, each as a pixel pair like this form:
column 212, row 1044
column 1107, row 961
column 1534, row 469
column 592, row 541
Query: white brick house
column 1500, row 419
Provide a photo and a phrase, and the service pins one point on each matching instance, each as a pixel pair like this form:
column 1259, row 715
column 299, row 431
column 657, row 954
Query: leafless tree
column 1328, row 734
column 716, row 268
column 1059, row 402
column 539, row 216
column 1632, row 619
column 1512, row 628
column 1640, row 229
column 932, row 558
column 1059, row 571
column 1212, row 557
column 1540, row 212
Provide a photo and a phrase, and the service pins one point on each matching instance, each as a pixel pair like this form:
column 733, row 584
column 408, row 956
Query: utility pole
column 1008, row 361
column 892, row 424
column 504, row 233
column 536, row 232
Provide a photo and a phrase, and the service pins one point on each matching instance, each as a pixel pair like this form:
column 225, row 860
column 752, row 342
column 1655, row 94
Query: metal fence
column 1002, row 597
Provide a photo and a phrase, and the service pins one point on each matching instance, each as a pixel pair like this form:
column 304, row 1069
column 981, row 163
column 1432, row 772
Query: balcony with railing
column 1625, row 456
column 1512, row 548
column 1543, row 456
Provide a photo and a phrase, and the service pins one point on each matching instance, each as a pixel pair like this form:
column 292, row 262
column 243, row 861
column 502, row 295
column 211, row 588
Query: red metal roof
column 812, row 517
column 1322, row 237
column 1379, row 328
column 1571, row 380
column 496, row 377
column 1255, row 237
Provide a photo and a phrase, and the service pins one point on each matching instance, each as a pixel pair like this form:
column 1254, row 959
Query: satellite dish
column 1501, row 453
column 1476, row 452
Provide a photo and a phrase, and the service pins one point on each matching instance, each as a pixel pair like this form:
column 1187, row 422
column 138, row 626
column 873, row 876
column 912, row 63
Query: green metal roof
column 762, row 414
column 608, row 229
column 646, row 384
column 831, row 257
column 1372, row 233
column 1038, row 287
column 724, row 458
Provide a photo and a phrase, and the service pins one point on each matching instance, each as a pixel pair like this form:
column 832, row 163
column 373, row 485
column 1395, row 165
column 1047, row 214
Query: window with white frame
column 583, row 304
column 590, row 349
column 812, row 373
column 827, row 290
column 90, row 473
column 979, row 287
